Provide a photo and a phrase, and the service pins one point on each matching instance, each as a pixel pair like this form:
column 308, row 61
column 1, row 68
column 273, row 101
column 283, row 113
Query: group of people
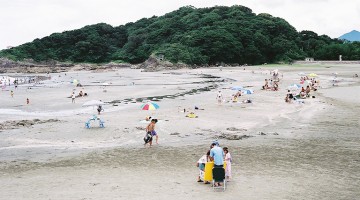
column 74, row 96
column 219, row 156
column 273, row 85
column 304, row 93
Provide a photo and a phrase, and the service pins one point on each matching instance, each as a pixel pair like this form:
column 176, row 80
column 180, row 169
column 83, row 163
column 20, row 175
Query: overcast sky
column 22, row 21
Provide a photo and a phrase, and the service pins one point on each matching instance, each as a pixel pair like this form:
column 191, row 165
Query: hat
column 215, row 143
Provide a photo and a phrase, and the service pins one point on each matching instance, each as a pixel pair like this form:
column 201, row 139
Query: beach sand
column 290, row 151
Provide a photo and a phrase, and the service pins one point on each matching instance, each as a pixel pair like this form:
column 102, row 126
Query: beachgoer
column 201, row 164
column 234, row 99
column 27, row 101
column 228, row 161
column 219, row 97
column 307, row 91
column 150, row 128
column 73, row 97
column 291, row 96
column 217, row 155
column 266, row 86
column 81, row 93
column 99, row 109
column 12, row 93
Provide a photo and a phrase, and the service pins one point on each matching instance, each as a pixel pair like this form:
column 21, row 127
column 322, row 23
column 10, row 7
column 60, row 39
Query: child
column 201, row 164
column 151, row 129
column 228, row 161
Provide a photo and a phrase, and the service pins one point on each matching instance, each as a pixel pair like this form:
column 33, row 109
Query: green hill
column 189, row 35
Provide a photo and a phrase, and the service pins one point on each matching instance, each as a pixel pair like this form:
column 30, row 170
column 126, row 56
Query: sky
column 23, row 21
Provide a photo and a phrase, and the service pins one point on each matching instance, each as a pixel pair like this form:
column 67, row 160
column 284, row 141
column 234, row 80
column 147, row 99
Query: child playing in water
column 228, row 163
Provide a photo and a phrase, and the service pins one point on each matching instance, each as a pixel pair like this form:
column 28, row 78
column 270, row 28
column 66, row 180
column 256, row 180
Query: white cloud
column 24, row 20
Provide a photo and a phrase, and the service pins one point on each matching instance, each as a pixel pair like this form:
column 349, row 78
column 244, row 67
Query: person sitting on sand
column 287, row 99
column 81, row 93
column 291, row 96
column 266, row 86
column 151, row 128
column 302, row 94
column 275, row 86
column 201, row 165
column 307, row 91
column 234, row 99
column 147, row 118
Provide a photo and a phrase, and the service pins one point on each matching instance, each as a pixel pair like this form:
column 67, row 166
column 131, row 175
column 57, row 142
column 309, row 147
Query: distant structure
column 340, row 57
column 309, row 59
column 160, row 56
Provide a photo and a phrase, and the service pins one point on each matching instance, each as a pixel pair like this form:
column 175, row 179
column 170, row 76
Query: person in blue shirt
column 217, row 155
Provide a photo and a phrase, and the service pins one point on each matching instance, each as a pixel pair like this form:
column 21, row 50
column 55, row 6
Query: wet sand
column 306, row 151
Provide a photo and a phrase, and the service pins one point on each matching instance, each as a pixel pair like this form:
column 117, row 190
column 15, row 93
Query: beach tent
column 247, row 91
column 150, row 106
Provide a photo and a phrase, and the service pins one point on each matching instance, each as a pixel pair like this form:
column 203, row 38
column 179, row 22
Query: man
column 217, row 155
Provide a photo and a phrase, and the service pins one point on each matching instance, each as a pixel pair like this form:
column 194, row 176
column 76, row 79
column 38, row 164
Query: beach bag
column 148, row 137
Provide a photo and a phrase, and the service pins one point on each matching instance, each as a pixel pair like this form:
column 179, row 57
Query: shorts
column 153, row 133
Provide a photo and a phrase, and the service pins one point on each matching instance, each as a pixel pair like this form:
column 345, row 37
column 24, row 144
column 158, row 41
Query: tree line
column 189, row 35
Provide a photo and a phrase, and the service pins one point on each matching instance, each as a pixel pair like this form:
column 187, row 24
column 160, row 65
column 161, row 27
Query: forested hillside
column 189, row 35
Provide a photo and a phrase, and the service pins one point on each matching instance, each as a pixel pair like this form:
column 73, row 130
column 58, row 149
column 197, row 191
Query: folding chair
column 101, row 124
column 219, row 177
column 87, row 124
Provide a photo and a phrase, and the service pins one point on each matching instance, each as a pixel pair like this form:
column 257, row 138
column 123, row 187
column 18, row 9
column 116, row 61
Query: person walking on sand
column 219, row 97
column 27, row 101
column 150, row 128
column 73, row 97
column 12, row 94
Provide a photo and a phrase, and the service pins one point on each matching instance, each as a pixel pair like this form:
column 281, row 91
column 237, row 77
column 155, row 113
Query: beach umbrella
column 237, row 88
column 312, row 75
column 150, row 106
column 93, row 103
column 75, row 82
column 247, row 91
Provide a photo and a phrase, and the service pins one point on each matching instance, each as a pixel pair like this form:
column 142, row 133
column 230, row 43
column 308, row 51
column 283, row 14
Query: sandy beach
column 304, row 150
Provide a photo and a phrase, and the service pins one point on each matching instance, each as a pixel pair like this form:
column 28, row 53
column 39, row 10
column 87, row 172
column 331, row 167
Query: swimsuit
column 153, row 132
